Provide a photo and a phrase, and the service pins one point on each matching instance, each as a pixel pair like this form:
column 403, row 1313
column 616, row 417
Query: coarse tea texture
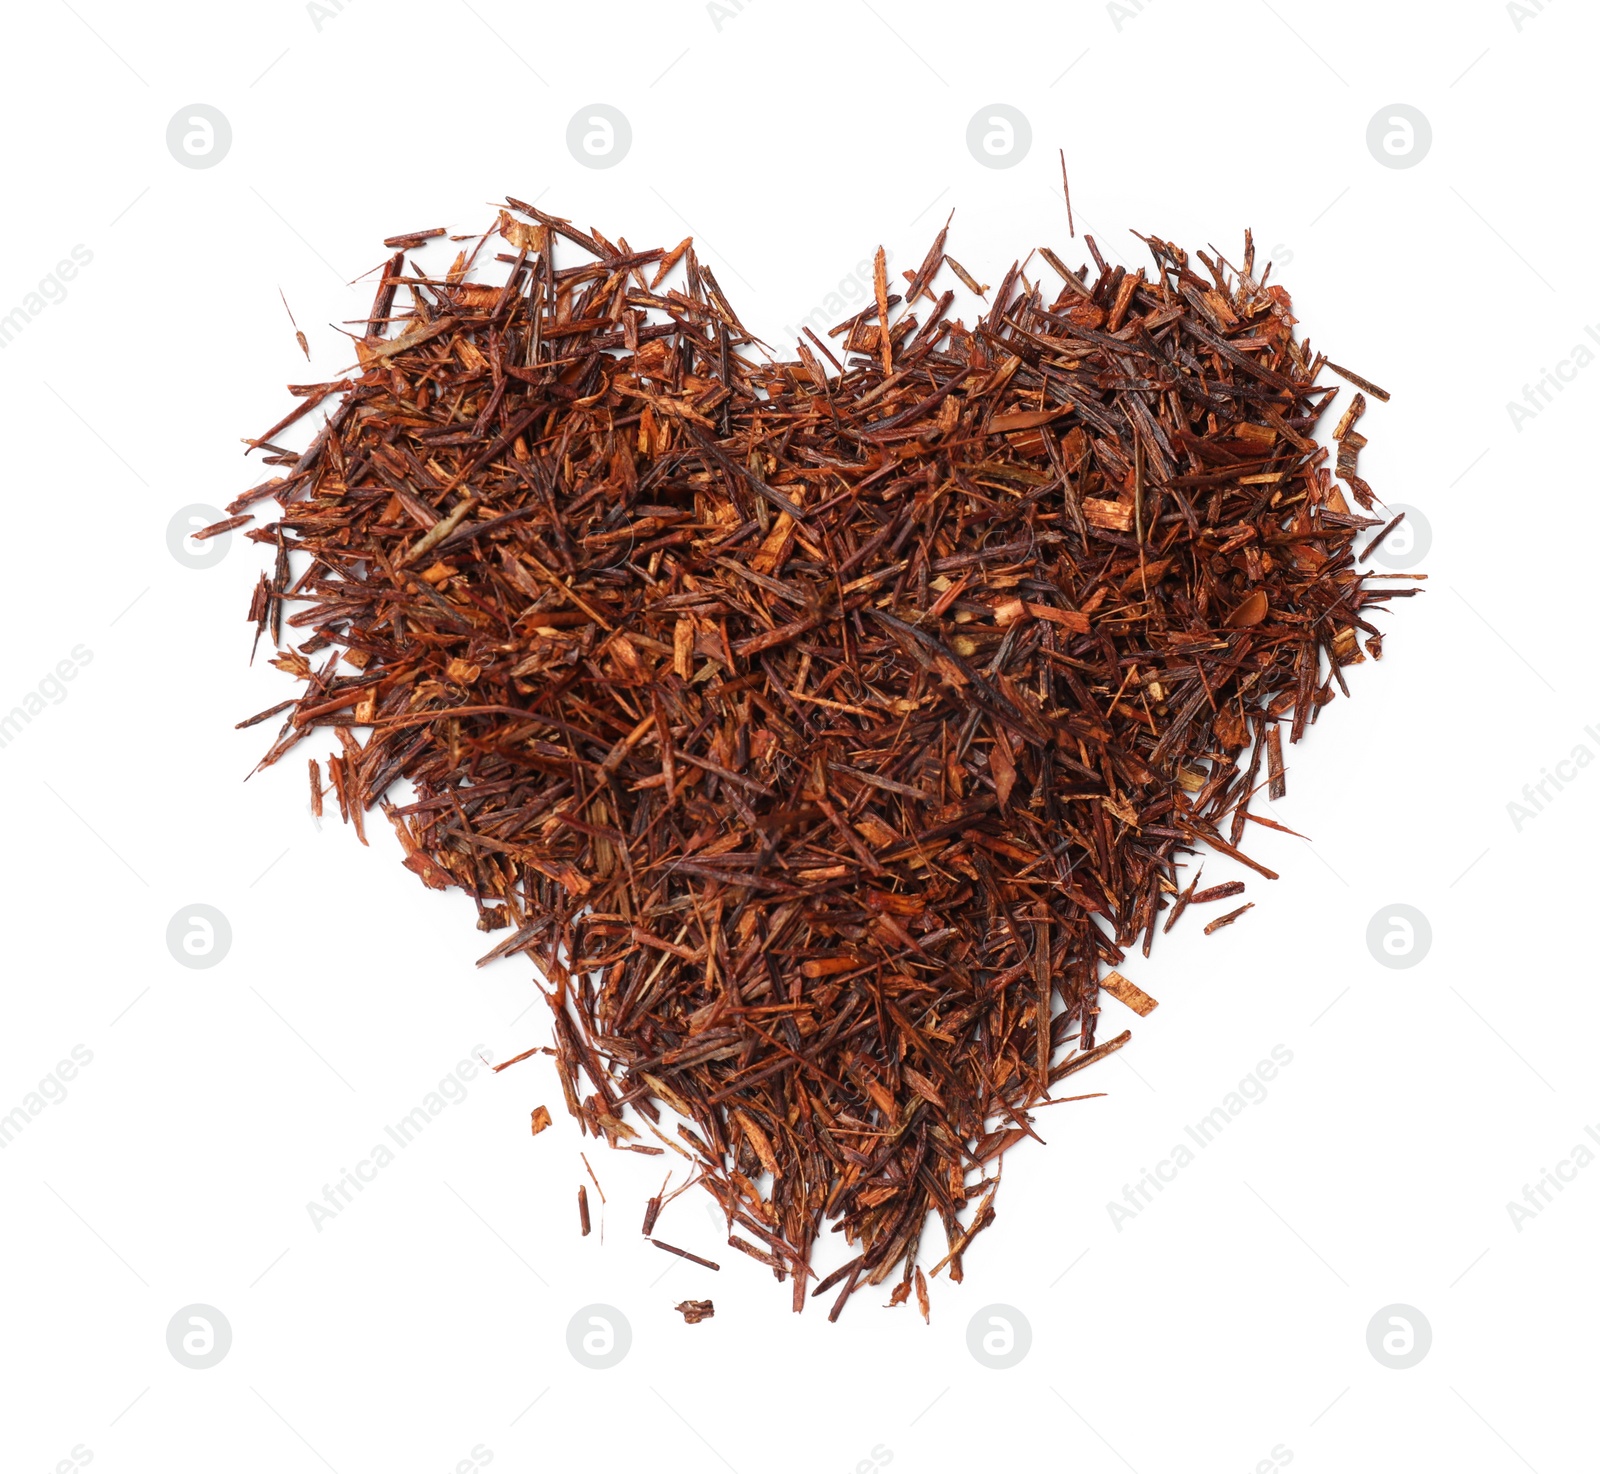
column 820, row 728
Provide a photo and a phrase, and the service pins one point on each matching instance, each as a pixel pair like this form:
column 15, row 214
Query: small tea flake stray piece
column 1217, row 892
column 1128, row 992
column 1229, row 919
column 695, row 1311
column 685, row 1254
column 541, row 1118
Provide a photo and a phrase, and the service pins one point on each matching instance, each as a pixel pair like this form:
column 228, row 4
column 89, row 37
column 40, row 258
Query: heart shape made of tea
column 822, row 728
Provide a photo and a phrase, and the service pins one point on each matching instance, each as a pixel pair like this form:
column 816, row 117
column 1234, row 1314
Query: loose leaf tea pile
column 820, row 728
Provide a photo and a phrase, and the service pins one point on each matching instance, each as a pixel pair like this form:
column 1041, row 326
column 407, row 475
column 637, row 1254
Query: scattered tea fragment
column 685, row 1254
column 541, row 1118
column 1217, row 892
column 1185, row 897
column 1229, row 919
column 1276, row 787
column 1355, row 378
column 1127, row 992
column 414, row 238
column 821, row 728
column 1388, row 527
column 745, row 1247
column 695, row 1311
column 299, row 337
column 583, row 1209
column 227, row 524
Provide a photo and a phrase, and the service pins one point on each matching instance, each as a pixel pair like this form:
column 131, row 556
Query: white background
column 1229, row 1318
